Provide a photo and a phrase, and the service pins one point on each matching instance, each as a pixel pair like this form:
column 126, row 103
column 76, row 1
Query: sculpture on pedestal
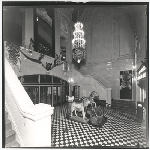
column 80, row 105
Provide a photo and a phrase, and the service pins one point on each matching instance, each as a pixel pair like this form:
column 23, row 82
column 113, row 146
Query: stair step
column 10, row 136
column 12, row 144
column 7, row 124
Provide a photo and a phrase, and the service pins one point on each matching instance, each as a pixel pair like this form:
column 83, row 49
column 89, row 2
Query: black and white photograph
column 75, row 75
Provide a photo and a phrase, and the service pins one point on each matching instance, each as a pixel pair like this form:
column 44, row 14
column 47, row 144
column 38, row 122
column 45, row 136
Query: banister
column 29, row 120
column 45, row 30
column 91, row 77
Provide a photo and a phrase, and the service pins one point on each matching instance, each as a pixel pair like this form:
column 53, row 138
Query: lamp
column 78, row 42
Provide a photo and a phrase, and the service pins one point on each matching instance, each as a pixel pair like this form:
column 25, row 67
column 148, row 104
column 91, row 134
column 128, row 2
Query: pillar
column 137, row 93
column 134, row 88
column 70, row 90
column 28, row 26
column 57, row 31
column 109, row 96
column 69, row 45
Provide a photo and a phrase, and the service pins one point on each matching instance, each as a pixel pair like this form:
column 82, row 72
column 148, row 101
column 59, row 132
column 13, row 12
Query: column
column 137, row 93
column 134, row 88
column 78, row 91
column 57, row 31
column 88, row 45
column 141, row 91
column 69, row 44
column 28, row 26
column 109, row 96
column 70, row 90
column 38, row 125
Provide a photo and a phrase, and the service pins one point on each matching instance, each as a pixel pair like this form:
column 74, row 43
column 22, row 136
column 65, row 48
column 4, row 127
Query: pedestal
column 79, row 119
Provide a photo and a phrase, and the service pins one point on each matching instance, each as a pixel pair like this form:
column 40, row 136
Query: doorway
column 33, row 92
column 46, row 89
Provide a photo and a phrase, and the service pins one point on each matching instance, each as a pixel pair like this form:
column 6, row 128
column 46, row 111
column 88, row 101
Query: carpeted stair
column 10, row 134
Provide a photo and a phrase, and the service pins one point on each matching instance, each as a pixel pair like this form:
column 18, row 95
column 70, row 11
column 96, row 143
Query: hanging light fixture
column 78, row 43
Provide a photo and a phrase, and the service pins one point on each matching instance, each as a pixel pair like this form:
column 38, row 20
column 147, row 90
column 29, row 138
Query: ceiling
column 135, row 12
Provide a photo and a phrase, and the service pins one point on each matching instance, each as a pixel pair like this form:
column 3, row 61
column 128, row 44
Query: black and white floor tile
column 121, row 129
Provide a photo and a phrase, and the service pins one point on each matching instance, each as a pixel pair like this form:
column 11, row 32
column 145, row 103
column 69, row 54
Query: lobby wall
column 12, row 25
column 110, row 38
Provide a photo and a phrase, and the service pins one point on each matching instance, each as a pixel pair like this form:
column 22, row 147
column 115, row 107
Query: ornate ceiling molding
column 41, row 12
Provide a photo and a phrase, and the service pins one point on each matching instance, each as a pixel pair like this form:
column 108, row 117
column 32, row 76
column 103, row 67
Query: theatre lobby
column 75, row 75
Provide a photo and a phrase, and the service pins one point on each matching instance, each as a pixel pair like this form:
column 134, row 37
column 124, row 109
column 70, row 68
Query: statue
column 80, row 105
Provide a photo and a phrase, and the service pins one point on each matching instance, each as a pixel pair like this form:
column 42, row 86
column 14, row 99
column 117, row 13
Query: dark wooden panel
column 100, row 102
column 124, row 105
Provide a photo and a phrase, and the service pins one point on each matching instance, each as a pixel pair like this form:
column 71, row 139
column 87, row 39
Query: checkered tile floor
column 121, row 129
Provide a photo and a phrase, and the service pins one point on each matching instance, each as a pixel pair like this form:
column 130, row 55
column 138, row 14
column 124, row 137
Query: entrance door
column 46, row 94
column 56, row 95
column 33, row 92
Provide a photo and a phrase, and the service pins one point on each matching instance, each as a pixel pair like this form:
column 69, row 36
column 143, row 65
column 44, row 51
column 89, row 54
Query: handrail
column 15, row 126
column 20, row 103
column 12, row 119
column 93, row 73
column 102, row 78
column 91, row 77
column 45, row 30
column 12, row 83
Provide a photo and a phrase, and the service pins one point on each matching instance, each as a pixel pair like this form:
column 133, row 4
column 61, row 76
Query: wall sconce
column 70, row 80
column 133, row 67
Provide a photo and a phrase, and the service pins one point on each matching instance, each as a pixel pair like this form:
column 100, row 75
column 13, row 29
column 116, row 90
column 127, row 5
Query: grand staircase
column 10, row 134
column 96, row 76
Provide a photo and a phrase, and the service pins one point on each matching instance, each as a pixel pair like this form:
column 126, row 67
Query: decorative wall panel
column 126, row 84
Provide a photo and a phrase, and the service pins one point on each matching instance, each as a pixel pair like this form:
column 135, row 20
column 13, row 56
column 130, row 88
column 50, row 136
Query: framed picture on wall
column 126, row 84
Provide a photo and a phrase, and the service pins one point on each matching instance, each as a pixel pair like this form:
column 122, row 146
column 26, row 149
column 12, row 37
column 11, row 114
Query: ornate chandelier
column 78, row 43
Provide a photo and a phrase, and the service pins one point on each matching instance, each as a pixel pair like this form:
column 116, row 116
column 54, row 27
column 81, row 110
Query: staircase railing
column 27, row 117
column 80, row 79
column 87, row 83
column 99, row 82
column 97, row 77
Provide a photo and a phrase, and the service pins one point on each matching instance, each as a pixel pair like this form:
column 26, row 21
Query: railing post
column 38, row 125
